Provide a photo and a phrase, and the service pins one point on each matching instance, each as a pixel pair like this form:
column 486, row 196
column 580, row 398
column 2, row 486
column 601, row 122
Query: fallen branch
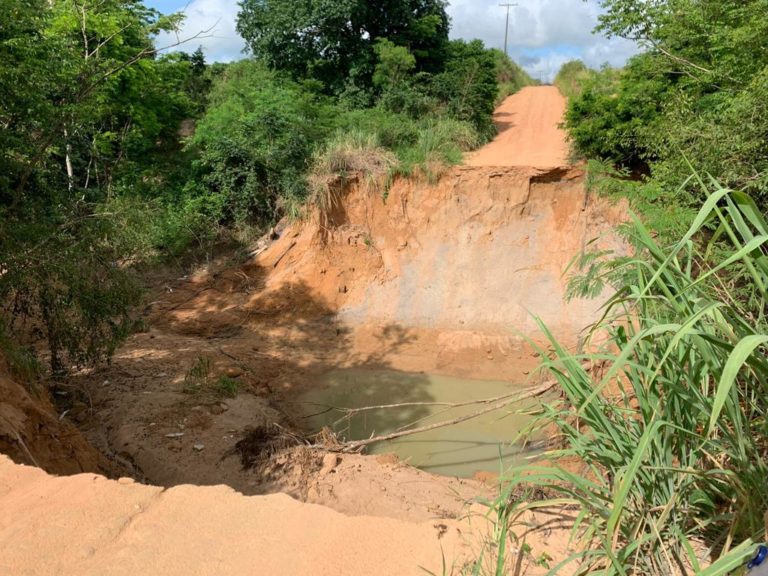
column 356, row 445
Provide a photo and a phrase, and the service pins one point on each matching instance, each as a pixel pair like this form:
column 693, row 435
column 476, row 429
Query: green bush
column 256, row 140
column 572, row 77
column 468, row 86
column 509, row 76
column 618, row 115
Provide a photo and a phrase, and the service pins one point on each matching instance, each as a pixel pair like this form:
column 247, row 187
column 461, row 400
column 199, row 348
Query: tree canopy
column 334, row 40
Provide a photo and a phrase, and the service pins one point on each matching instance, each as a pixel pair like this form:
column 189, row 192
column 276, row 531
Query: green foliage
column 618, row 114
column 394, row 64
column 672, row 428
column 21, row 361
column 334, row 41
column 425, row 146
column 510, row 76
column 256, row 140
column 572, row 77
column 468, row 85
column 198, row 375
column 81, row 97
column 227, row 387
column 695, row 99
column 665, row 211
column 349, row 154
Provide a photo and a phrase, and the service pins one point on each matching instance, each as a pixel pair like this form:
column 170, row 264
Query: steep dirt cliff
column 31, row 432
column 456, row 270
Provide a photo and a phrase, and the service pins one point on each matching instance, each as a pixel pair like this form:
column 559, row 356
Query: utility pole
column 506, row 32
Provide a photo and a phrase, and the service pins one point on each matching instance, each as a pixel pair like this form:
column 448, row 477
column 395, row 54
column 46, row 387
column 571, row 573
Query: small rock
column 233, row 372
column 126, row 481
column 224, row 407
column 388, row 458
column 199, row 447
column 175, row 435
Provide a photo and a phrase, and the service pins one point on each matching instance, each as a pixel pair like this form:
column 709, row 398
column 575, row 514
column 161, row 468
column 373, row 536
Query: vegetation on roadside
column 665, row 408
column 694, row 99
column 113, row 155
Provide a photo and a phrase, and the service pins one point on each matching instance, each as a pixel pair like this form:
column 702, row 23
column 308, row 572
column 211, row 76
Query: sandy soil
column 86, row 524
column 529, row 134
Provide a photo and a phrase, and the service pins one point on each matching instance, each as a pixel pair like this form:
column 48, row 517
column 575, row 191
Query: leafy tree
column 692, row 99
column 334, row 40
column 80, row 92
column 468, row 85
column 618, row 114
column 395, row 63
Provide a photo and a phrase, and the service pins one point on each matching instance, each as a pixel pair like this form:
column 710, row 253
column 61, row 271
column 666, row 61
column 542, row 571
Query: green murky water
column 484, row 443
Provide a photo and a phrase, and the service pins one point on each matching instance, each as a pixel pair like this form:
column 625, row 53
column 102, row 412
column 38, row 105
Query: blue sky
column 543, row 33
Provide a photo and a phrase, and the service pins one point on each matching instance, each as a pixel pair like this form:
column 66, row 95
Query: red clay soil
column 31, row 432
column 529, row 134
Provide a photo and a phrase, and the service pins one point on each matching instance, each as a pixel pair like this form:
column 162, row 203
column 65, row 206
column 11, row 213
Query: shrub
column 257, row 139
column 572, row 77
column 509, row 76
column 468, row 85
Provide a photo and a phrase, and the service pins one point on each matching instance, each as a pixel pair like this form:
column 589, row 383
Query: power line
column 506, row 32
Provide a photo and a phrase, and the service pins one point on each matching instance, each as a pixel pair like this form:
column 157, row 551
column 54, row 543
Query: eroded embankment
column 436, row 278
column 462, row 266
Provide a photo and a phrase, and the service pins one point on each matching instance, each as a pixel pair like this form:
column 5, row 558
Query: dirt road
column 528, row 131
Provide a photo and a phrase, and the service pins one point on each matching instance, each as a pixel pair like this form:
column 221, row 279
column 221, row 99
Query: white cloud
column 543, row 33
column 215, row 20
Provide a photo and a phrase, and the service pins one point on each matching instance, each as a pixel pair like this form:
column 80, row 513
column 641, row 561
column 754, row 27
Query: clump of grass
column 22, row 362
column 354, row 154
column 441, row 143
column 227, row 387
column 198, row 375
column 673, row 432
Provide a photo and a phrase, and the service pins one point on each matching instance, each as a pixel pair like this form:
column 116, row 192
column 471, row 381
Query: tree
column 394, row 64
column 333, row 40
column 468, row 85
column 79, row 92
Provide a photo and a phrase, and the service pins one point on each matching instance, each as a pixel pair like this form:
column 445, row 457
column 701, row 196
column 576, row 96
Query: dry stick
column 350, row 412
column 356, row 445
column 23, row 445
column 283, row 255
column 21, row 441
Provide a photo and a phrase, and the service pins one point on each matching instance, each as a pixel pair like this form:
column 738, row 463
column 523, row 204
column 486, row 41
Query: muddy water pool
column 486, row 443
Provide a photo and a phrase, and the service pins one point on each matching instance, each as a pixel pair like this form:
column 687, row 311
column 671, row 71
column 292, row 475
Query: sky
column 543, row 34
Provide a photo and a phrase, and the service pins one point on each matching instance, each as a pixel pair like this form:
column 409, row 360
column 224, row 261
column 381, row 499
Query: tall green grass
column 672, row 429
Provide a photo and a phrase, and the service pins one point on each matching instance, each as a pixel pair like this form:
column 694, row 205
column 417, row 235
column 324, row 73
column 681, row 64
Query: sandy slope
column 528, row 131
column 86, row 524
